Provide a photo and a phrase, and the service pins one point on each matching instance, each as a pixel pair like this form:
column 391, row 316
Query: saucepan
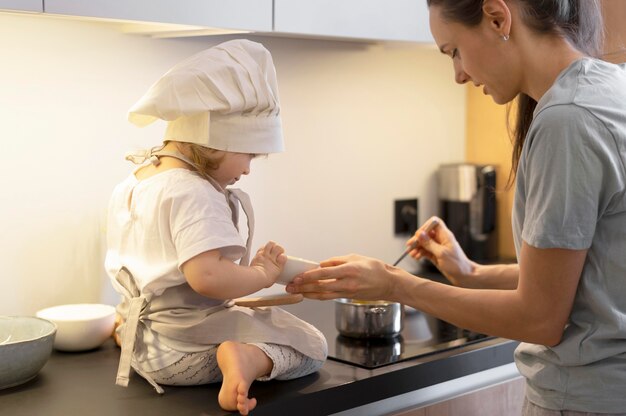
column 368, row 318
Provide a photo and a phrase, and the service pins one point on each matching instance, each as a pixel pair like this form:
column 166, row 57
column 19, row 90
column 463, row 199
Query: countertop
column 84, row 383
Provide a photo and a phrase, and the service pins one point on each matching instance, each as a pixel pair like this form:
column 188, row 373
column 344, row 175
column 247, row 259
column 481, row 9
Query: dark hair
column 578, row 21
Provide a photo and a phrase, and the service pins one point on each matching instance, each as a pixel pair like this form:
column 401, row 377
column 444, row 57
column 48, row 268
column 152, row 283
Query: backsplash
column 364, row 124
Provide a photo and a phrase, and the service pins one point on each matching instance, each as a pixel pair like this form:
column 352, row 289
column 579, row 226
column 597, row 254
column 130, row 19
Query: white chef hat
column 225, row 98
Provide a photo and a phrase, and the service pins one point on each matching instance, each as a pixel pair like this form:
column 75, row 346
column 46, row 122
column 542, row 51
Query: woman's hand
column 353, row 276
column 270, row 260
column 441, row 248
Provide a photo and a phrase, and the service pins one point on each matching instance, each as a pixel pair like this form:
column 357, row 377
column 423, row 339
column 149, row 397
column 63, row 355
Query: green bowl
column 25, row 347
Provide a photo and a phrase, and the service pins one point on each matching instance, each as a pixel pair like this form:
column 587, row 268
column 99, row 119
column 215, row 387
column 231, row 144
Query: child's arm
column 216, row 277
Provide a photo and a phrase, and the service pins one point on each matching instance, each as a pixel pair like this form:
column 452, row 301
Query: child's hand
column 270, row 260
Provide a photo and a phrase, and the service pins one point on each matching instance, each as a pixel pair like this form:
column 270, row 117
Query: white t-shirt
column 157, row 224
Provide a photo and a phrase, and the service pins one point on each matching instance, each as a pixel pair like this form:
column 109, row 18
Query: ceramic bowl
column 25, row 346
column 294, row 266
column 80, row 327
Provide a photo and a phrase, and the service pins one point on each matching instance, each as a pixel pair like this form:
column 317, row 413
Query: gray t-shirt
column 571, row 193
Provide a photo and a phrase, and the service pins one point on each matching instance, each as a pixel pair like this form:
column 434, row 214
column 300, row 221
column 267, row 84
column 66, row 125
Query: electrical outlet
column 406, row 215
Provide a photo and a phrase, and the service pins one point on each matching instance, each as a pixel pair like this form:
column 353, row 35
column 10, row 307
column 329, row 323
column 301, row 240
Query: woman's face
column 231, row 167
column 479, row 54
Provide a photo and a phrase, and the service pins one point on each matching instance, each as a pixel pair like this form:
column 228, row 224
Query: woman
column 566, row 298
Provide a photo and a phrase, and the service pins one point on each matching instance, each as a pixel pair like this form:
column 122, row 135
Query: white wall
column 364, row 124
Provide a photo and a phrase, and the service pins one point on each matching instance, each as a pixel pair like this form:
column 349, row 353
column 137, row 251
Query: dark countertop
column 84, row 383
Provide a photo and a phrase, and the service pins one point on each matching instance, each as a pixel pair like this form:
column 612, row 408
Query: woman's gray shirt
column 571, row 193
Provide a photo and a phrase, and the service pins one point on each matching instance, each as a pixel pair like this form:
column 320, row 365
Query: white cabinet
column 394, row 20
column 22, row 5
column 403, row 20
column 253, row 15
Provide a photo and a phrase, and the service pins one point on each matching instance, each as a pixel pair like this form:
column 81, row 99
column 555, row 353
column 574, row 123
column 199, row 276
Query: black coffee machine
column 468, row 206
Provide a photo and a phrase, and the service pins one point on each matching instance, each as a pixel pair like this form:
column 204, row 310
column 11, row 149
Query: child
column 173, row 238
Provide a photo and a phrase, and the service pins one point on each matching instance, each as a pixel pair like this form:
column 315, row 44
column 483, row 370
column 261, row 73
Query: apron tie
column 129, row 333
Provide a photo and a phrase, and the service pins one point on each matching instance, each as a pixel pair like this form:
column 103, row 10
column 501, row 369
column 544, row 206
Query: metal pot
column 368, row 319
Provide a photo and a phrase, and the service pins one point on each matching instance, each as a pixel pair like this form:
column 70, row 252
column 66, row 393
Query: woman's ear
column 498, row 15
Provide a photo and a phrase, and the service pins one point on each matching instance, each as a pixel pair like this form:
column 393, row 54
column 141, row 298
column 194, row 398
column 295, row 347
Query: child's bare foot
column 241, row 364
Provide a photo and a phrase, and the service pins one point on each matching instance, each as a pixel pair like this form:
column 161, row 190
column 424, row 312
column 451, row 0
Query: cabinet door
column 501, row 399
column 230, row 14
column 404, row 20
column 22, row 5
column 614, row 12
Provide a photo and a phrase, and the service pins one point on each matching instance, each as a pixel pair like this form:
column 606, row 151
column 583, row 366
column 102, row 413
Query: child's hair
column 205, row 159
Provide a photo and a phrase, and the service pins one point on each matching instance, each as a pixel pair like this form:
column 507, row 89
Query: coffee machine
column 468, row 207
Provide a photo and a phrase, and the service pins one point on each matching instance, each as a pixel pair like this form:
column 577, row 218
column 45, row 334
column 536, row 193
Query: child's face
column 232, row 166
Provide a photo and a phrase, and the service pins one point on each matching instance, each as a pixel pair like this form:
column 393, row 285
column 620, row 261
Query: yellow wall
column 488, row 143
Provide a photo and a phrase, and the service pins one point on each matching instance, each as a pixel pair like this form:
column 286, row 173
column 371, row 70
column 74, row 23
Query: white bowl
column 25, row 346
column 80, row 327
column 293, row 267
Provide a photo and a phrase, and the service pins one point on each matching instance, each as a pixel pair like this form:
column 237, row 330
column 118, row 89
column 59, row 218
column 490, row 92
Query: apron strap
column 129, row 335
column 234, row 196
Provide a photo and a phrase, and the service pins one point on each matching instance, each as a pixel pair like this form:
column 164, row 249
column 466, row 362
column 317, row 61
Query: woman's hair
column 578, row 21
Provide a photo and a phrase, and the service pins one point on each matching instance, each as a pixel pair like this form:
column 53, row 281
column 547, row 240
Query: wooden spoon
column 272, row 300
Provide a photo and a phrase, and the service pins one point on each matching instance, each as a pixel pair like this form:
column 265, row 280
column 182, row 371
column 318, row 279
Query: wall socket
column 406, row 213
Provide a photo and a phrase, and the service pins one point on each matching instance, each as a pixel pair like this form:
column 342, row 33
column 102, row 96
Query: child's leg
column 241, row 364
column 193, row 369
column 288, row 362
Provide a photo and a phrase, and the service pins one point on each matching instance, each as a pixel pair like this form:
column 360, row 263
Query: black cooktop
column 422, row 335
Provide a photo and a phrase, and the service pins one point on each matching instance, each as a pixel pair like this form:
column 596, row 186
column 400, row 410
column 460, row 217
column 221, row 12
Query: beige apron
column 182, row 314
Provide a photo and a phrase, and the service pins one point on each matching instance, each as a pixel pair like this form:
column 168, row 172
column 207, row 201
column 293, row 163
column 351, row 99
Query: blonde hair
column 205, row 159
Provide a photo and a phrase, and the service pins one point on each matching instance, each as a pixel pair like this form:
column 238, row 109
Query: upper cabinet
column 614, row 12
column 252, row 15
column 397, row 20
column 22, row 5
column 401, row 20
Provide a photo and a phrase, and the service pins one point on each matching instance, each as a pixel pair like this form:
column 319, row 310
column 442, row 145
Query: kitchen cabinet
column 399, row 20
column 22, row 5
column 614, row 12
column 505, row 398
column 252, row 15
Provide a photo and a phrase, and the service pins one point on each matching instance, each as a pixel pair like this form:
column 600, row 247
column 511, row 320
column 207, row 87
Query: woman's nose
column 460, row 76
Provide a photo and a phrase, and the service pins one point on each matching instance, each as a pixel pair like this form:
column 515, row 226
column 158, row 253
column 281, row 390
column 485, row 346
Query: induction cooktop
column 422, row 335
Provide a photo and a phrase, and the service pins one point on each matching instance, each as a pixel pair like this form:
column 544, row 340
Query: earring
column 505, row 37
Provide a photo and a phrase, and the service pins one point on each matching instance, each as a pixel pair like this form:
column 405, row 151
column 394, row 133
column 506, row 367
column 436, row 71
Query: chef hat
column 225, row 98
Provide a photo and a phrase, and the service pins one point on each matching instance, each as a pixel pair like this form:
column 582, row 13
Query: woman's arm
column 490, row 276
column 535, row 311
column 440, row 247
column 214, row 276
